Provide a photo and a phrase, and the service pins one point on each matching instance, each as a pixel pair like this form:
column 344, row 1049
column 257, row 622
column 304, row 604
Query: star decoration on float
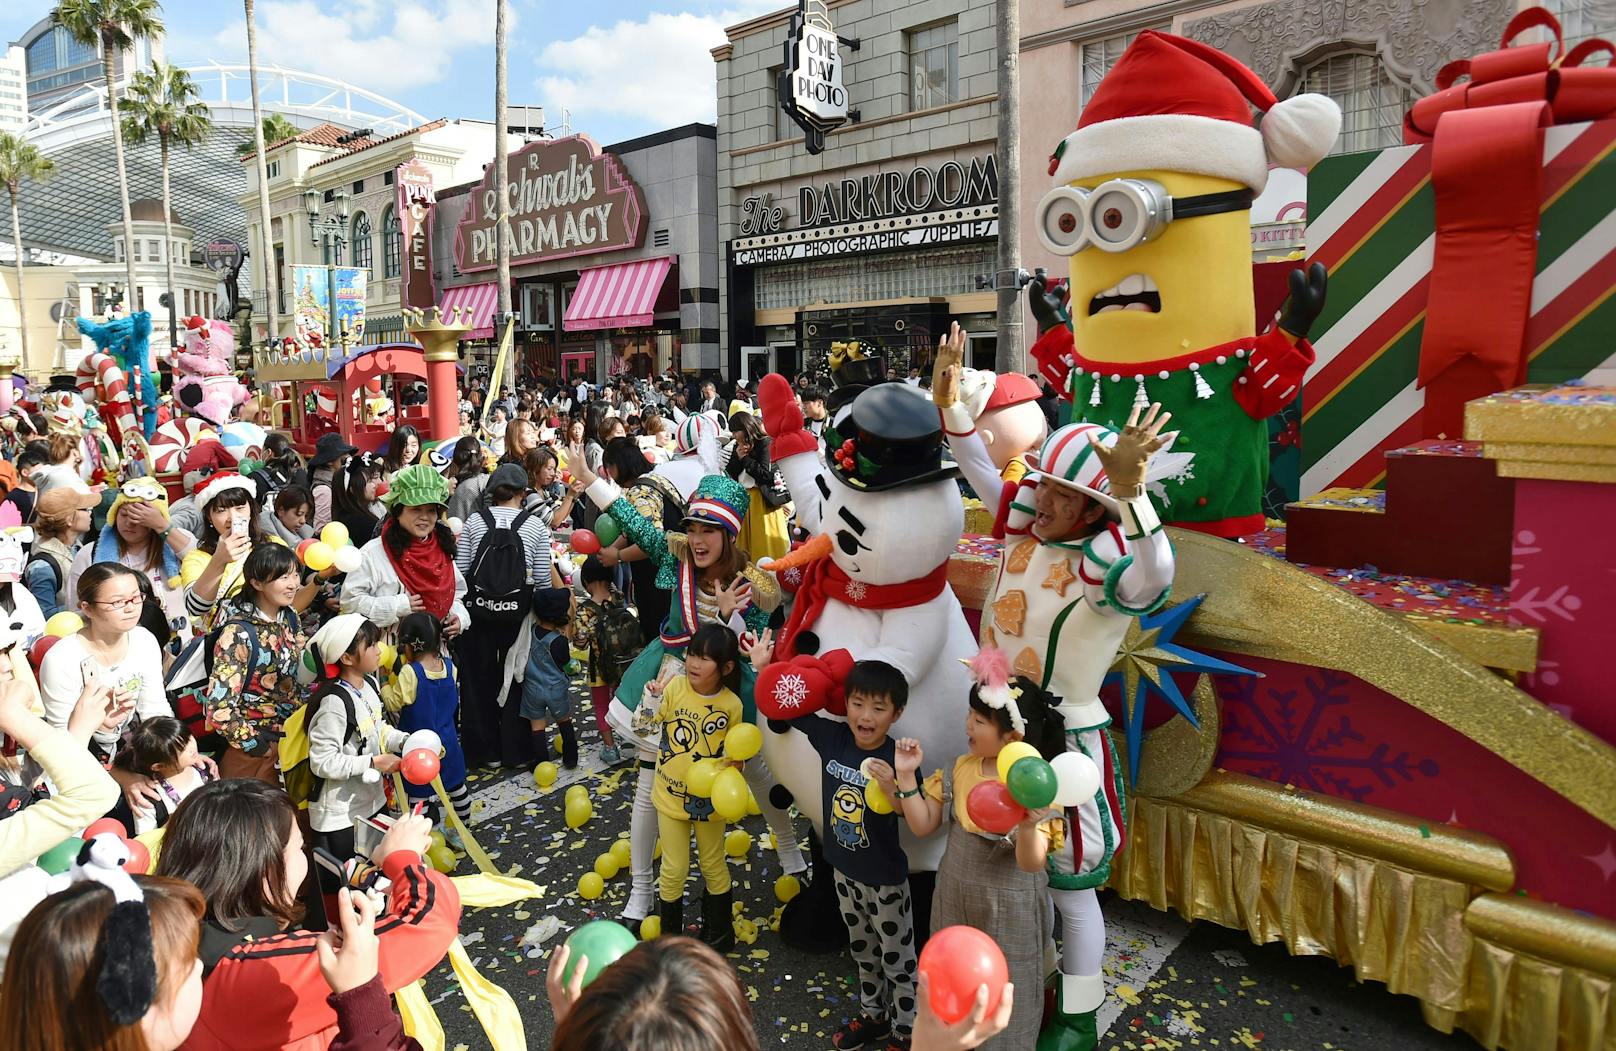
column 1144, row 665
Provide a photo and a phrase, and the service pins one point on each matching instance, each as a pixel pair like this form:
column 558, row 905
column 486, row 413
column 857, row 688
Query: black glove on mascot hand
column 1306, row 300
column 1047, row 298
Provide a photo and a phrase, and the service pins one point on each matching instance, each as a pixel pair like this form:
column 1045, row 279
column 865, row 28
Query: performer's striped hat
column 691, row 433
column 719, row 500
column 1068, row 459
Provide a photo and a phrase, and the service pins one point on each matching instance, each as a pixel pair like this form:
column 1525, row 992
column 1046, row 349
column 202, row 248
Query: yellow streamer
column 499, row 368
column 484, row 863
column 420, row 1021
column 492, row 892
column 493, row 1006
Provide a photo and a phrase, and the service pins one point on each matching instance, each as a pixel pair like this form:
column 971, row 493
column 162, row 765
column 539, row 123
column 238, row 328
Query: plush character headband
column 127, row 983
column 991, row 670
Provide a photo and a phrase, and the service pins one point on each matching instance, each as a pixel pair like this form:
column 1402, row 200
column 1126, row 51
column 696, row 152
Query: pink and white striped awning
column 622, row 295
column 479, row 301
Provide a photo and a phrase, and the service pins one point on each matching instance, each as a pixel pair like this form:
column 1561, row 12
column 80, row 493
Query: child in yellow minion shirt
column 695, row 712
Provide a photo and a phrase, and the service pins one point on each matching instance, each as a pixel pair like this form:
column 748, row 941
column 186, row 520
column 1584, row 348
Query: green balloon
column 607, row 529
column 59, row 858
column 602, row 942
column 1032, row 783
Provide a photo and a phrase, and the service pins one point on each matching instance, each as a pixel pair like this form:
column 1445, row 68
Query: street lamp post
column 330, row 232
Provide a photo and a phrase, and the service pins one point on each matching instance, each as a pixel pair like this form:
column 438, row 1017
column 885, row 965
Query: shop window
column 361, row 240
column 538, row 307
column 1095, row 59
column 865, row 278
column 392, row 243
column 1372, row 102
column 934, row 66
column 1580, row 19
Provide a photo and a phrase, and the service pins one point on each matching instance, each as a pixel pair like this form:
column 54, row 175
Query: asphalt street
column 1173, row 985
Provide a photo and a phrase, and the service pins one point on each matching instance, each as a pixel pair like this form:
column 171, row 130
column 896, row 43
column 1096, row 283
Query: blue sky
column 622, row 68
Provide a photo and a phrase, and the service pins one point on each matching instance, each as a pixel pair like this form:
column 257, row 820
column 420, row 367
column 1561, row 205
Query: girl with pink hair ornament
column 1084, row 553
column 993, row 873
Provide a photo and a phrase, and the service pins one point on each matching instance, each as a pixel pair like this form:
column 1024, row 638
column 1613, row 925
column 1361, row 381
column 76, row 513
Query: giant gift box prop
column 1430, row 248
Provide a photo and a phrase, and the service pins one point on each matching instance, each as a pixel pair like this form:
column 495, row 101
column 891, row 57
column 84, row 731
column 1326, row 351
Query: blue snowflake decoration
column 1145, row 664
column 1308, row 738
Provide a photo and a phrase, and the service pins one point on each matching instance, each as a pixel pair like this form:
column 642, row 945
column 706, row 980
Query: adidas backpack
column 497, row 590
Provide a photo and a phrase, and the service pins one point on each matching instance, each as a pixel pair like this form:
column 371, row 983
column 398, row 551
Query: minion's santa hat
column 1178, row 105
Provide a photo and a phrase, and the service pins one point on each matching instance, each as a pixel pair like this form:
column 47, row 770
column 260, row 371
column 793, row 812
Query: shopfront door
column 578, row 365
column 755, row 363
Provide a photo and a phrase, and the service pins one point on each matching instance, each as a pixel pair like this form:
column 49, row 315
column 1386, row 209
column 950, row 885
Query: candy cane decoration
column 171, row 442
column 102, row 382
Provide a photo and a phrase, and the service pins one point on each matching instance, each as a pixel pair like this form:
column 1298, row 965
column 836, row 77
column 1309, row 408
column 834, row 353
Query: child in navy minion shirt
column 861, row 844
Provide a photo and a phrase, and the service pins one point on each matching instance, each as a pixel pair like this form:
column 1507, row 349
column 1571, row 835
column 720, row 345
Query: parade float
column 1421, row 784
column 341, row 387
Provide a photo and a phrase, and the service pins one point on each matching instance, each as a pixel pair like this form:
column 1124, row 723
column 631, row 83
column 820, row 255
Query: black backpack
column 618, row 639
column 497, row 591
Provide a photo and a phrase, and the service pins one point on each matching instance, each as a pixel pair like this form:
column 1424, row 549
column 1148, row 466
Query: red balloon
column 41, row 646
column 304, row 545
column 139, row 857
column 957, row 961
column 106, row 824
column 420, row 766
column 585, row 542
column 990, row 806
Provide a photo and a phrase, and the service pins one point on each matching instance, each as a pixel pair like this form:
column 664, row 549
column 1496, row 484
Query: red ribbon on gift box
column 1486, row 170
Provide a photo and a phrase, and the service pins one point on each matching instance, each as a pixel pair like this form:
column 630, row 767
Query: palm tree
column 162, row 102
column 114, row 26
column 276, row 129
column 502, row 252
column 19, row 163
column 265, row 228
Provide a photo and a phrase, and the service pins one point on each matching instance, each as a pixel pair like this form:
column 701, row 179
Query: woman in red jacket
column 239, row 843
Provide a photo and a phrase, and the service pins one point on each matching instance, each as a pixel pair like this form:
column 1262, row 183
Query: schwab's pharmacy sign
column 566, row 198
column 811, row 89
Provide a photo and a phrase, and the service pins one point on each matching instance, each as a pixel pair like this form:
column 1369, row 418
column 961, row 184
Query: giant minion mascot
column 1151, row 204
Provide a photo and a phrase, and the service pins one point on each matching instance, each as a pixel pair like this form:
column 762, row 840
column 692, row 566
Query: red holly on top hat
column 1179, row 105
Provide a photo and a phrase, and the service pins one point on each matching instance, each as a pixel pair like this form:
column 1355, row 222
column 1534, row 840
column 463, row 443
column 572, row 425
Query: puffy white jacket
column 375, row 591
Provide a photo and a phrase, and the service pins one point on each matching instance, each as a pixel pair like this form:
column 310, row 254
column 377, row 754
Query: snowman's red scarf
column 824, row 580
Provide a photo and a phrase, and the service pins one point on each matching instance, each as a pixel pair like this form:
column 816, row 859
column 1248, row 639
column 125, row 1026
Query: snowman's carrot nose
column 816, row 548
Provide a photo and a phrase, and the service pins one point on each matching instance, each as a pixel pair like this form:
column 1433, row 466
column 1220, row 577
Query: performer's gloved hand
column 804, row 685
column 1306, row 300
column 782, row 419
column 1048, row 300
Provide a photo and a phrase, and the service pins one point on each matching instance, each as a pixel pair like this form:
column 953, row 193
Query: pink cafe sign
column 567, row 198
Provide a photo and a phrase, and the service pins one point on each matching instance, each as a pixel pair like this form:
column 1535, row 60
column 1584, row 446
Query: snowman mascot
column 893, row 514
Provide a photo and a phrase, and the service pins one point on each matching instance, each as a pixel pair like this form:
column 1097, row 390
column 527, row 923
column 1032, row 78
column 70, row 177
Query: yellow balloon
column 578, row 812
column 1013, row 753
column 622, row 852
column 318, row 556
column 737, row 843
column 437, row 839
column 699, row 778
column 752, row 809
column 442, row 858
column 787, row 887
column 876, row 799
column 590, row 886
column 743, row 741
column 335, row 535
column 651, row 928
column 607, row 865
column 64, row 624
column 388, row 653
column 577, row 792
column 544, row 774
column 729, row 794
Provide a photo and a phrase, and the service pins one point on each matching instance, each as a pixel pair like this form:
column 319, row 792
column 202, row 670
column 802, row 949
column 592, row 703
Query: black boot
column 569, row 744
column 672, row 914
column 718, row 921
column 541, row 746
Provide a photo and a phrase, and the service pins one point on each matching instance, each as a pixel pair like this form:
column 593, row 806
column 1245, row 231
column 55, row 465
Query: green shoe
column 1073, row 1026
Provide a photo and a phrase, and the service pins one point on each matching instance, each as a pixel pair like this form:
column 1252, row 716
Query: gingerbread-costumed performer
column 1152, row 204
column 1084, row 554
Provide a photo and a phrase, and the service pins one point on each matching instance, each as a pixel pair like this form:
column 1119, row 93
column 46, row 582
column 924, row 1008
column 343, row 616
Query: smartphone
column 238, row 527
column 381, row 823
column 89, row 669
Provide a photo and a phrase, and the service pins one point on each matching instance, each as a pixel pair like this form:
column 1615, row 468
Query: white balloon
column 1076, row 778
column 455, row 525
column 427, row 739
column 347, row 559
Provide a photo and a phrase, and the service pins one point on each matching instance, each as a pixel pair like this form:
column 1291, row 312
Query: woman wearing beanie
column 410, row 565
column 712, row 581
